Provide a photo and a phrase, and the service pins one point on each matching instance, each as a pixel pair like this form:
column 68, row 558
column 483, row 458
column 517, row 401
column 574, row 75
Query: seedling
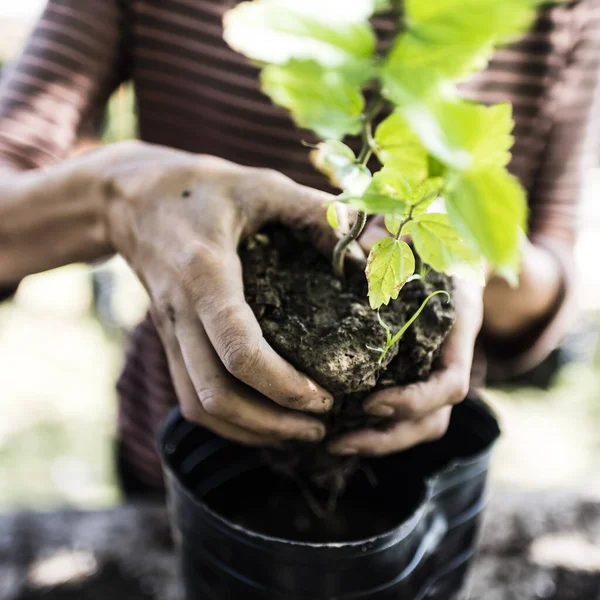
column 441, row 174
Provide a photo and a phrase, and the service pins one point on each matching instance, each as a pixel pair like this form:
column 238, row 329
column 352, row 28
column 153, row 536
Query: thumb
column 303, row 208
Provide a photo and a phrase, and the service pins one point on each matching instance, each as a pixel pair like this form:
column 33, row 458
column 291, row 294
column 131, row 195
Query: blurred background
column 63, row 336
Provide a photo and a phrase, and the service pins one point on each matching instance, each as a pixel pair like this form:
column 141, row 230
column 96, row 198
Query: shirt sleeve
column 570, row 153
column 73, row 60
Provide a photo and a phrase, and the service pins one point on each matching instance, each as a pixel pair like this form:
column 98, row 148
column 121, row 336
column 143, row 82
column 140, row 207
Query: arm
column 48, row 219
column 523, row 325
column 176, row 217
column 511, row 310
column 69, row 68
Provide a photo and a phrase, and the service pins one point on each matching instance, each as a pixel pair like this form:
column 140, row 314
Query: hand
column 422, row 410
column 178, row 219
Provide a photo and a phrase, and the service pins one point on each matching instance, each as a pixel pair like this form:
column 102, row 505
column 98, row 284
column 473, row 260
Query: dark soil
column 326, row 329
column 281, row 511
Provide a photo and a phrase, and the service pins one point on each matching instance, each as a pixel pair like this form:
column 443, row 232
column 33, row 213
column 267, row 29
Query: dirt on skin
column 327, row 330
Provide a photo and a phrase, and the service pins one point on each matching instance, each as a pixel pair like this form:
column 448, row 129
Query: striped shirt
column 196, row 94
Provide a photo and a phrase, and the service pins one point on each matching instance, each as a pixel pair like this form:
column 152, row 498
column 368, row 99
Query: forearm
column 511, row 311
column 50, row 218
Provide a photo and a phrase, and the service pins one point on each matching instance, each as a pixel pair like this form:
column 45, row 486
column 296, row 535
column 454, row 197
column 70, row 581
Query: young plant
column 442, row 177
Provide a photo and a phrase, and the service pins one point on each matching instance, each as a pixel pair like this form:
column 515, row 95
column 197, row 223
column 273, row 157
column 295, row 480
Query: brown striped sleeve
column 569, row 115
column 72, row 62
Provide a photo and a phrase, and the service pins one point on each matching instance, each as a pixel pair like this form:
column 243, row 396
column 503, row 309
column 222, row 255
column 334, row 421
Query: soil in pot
column 282, row 510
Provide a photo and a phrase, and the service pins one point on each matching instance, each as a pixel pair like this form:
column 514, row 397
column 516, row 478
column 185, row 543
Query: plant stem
column 339, row 253
column 366, row 151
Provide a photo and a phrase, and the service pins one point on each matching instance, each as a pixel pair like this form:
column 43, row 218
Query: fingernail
column 357, row 253
column 344, row 451
column 313, row 435
column 321, row 403
column 379, row 410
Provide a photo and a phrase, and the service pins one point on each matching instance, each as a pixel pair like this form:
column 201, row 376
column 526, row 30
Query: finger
column 448, row 386
column 450, row 383
column 400, row 436
column 192, row 409
column 224, row 398
column 217, row 289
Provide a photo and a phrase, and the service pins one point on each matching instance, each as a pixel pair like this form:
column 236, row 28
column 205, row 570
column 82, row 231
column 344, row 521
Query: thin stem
column 402, row 224
column 366, row 151
column 339, row 253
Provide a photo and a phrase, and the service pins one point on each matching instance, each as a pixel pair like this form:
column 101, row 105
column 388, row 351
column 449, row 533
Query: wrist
column 48, row 218
column 511, row 310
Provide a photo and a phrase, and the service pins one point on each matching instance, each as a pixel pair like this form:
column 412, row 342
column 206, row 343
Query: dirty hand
column 422, row 410
column 178, row 219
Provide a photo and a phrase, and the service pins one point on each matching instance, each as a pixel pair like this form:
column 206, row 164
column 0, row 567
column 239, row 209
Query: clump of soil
column 327, row 330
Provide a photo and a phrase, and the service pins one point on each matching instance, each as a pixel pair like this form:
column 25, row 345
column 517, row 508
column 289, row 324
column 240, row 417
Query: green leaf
column 332, row 32
column 488, row 208
column 355, row 180
column 465, row 21
column 446, row 40
column 400, row 148
column 489, row 139
column 463, row 134
column 436, row 168
column 424, row 194
column 333, row 158
column 439, row 245
column 332, row 216
column 328, row 102
column 393, row 222
column 383, row 5
column 390, row 264
column 386, row 195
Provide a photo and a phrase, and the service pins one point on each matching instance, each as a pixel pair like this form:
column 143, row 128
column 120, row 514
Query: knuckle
column 191, row 412
column 197, row 263
column 439, row 426
column 411, row 404
column 238, row 355
column 460, row 389
column 189, row 260
column 215, row 403
column 271, row 176
column 256, row 183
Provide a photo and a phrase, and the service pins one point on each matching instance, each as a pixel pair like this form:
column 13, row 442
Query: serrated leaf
column 439, row 245
column 400, row 148
column 390, row 264
column 445, row 40
column 488, row 208
column 386, row 195
column 332, row 216
column 326, row 101
column 490, row 136
column 462, row 134
column 332, row 32
column 393, row 222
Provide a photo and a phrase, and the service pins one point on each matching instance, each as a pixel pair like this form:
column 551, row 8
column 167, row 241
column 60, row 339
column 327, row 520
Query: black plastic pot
column 432, row 496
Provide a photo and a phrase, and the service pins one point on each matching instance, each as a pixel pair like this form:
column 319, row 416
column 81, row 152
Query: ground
column 533, row 547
